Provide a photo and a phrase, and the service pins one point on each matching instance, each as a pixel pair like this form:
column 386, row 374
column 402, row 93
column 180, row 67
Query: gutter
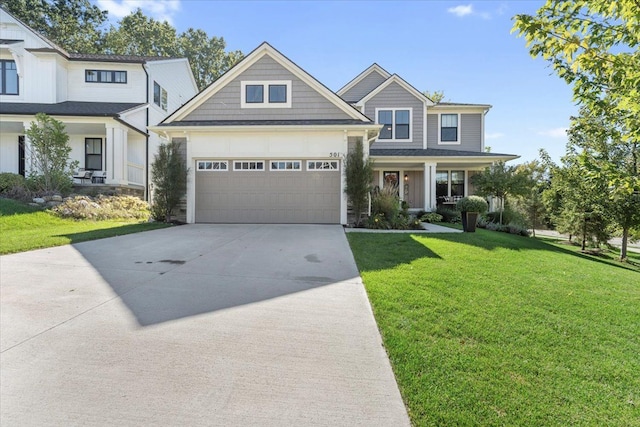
column 146, row 147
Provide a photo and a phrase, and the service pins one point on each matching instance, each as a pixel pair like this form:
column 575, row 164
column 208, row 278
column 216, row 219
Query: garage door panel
column 268, row 196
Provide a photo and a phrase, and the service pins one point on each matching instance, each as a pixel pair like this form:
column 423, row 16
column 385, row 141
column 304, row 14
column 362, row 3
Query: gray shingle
column 431, row 152
column 68, row 108
column 266, row 122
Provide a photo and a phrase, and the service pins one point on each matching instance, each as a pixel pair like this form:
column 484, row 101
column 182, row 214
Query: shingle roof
column 431, row 152
column 266, row 122
column 116, row 58
column 454, row 104
column 68, row 108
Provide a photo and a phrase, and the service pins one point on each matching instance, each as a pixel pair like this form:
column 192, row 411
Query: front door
column 21, row 156
column 392, row 179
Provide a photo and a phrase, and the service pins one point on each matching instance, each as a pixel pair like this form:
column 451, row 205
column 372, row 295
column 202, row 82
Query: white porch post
column 429, row 186
column 191, row 182
column 117, row 155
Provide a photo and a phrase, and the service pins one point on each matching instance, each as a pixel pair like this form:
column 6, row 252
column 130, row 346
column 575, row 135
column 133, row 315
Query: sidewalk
column 616, row 241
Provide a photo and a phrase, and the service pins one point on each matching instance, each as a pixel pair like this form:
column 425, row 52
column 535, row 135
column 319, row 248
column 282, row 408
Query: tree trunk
column 623, row 247
column 584, row 233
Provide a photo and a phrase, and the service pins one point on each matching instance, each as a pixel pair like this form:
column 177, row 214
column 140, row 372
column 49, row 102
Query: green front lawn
column 488, row 328
column 23, row 228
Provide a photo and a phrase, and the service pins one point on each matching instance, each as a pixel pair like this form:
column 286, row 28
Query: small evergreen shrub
column 472, row 204
column 431, row 217
column 449, row 215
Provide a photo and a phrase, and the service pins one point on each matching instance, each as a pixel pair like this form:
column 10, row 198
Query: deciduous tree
column 499, row 180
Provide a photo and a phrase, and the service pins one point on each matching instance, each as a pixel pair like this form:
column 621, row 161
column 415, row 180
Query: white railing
column 135, row 173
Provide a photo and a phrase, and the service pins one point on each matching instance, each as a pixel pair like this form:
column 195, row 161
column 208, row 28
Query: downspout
column 146, row 148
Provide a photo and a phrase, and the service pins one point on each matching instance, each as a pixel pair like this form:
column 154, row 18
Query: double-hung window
column 265, row 94
column 160, row 96
column 10, row 80
column 449, row 128
column 93, row 154
column 396, row 124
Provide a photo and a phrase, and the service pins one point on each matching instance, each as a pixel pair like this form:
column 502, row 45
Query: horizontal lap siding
column 363, row 87
column 395, row 96
column 306, row 102
column 470, row 135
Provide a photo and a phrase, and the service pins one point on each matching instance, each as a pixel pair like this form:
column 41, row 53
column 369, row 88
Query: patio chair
column 99, row 177
column 83, row 176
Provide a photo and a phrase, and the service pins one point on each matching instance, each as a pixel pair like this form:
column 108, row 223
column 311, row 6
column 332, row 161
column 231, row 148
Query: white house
column 105, row 101
column 265, row 143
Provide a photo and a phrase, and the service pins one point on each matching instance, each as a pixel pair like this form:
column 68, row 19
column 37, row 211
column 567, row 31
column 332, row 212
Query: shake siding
column 471, row 133
column 394, row 96
column 306, row 103
column 363, row 87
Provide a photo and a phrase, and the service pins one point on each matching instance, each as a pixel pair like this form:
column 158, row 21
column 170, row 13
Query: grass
column 493, row 329
column 24, row 228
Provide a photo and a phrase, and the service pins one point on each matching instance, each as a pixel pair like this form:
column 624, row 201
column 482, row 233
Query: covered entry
column 268, row 192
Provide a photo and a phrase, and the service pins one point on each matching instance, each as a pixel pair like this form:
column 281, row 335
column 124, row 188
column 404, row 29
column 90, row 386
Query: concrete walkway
column 427, row 228
column 198, row 325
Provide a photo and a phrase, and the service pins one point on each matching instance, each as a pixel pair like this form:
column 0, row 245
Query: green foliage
column 500, row 180
column 509, row 215
column 103, row 208
column 169, row 177
column 449, row 215
column 436, row 96
column 472, row 204
column 386, row 202
column 377, row 221
column 358, row 178
column 10, row 181
column 431, row 217
column 75, row 25
column 49, row 152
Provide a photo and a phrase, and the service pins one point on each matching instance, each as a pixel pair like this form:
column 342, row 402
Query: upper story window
column 396, row 124
column 105, row 76
column 449, row 128
column 9, row 84
column 265, row 94
column 160, row 96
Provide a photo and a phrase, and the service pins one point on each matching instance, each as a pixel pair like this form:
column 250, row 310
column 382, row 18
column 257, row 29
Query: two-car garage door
column 303, row 192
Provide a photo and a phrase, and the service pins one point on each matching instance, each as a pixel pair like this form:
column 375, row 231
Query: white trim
column 424, row 128
column 265, row 94
column 459, row 133
column 219, row 162
column 334, row 165
column 393, row 125
column 263, row 50
column 396, row 79
column 286, row 162
column 248, row 162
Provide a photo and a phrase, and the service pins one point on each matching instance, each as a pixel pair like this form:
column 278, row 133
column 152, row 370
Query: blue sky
column 463, row 48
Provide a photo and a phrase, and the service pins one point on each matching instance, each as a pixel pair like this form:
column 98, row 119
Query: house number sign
column 335, row 154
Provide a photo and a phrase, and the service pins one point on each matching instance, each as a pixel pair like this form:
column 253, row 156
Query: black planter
column 469, row 220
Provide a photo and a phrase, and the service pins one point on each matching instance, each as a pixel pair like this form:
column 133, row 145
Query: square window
column 90, row 76
column 277, row 93
column 254, row 94
column 120, row 76
column 105, row 76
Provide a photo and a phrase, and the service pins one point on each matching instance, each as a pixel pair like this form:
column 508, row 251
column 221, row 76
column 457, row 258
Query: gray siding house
column 265, row 143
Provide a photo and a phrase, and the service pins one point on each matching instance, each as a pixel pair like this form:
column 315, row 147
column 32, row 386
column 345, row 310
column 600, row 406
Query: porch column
column 116, row 155
column 29, row 165
column 191, row 180
column 430, row 186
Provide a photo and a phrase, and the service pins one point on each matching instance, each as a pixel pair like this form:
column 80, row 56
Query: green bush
column 431, row 217
column 9, row 181
column 508, row 216
column 472, row 204
column 103, row 208
column 386, row 202
column 449, row 215
column 377, row 222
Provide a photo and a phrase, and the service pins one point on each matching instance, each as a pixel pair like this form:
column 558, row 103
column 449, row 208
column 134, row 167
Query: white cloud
column 161, row 10
column 461, row 10
column 554, row 133
column 494, row 135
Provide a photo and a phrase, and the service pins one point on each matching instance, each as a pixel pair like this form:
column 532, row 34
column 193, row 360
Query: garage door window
column 213, row 165
column 322, row 165
column 286, row 165
column 248, row 166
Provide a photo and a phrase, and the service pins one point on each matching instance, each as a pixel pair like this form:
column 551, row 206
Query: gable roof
column 400, row 81
column 371, row 69
column 263, row 50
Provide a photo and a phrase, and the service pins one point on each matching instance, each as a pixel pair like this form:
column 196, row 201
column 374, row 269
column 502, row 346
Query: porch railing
column 135, row 173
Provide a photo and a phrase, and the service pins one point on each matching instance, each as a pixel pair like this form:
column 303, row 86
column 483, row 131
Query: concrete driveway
column 198, row 325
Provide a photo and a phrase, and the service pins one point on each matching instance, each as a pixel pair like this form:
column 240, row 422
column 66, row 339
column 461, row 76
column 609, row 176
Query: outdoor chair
column 83, row 176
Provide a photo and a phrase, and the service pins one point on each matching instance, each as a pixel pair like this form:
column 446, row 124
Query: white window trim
column 286, row 161
column 337, row 163
column 249, row 161
column 459, row 141
column 393, row 125
column 265, row 100
column 212, row 161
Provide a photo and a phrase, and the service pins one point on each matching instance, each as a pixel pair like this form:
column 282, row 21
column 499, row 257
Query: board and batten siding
column 364, row 87
column 306, row 102
column 470, row 135
column 395, row 96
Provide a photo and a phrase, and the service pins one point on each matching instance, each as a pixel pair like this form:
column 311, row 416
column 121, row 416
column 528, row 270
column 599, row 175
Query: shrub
column 103, row 208
column 386, row 202
column 415, row 224
column 472, row 204
column 517, row 229
column 449, row 215
column 14, row 186
column 431, row 217
column 508, row 216
column 377, row 222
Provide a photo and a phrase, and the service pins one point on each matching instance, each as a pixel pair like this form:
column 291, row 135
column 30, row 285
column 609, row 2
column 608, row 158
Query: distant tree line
column 81, row 27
